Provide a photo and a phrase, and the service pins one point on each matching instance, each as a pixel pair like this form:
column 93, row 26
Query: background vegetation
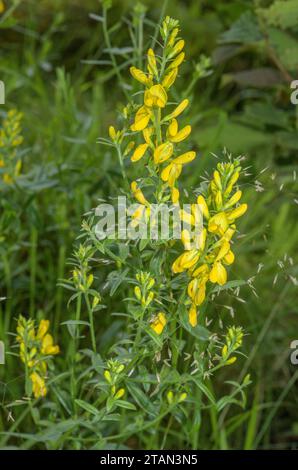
column 65, row 68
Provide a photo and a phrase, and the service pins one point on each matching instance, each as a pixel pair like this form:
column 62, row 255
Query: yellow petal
column 42, row 328
column 147, row 133
column 173, row 128
column 159, row 323
column 185, row 158
column 203, row 206
column 238, row 212
column 156, row 96
column 224, row 249
column 218, row 223
column 229, row 258
column 138, row 194
column 176, row 62
column 166, row 172
column 140, row 76
column 174, row 174
column 152, row 62
column 142, row 118
column 175, row 195
column 163, row 152
column 170, row 78
column 234, row 199
column 139, row 152
column 112, row 132
column 181, row 135
column 218, row 274
column 177, row 111
column 185, row 238
column 192, row 316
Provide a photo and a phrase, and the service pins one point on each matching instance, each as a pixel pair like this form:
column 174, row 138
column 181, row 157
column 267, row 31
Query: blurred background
column 66, row 68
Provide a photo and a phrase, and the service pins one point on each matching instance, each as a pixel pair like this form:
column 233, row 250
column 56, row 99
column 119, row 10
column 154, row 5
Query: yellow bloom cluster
column 233, row 341
column 111, row 375
column 10, row 139
column 145, row 295
column 35, row 347
column 160, row 132
column 207, row 252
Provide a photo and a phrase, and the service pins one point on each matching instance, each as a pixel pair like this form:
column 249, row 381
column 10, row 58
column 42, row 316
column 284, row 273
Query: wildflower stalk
column 91, row 321
column 33, row 267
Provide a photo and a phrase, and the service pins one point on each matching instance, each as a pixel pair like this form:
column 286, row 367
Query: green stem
column 91, row 321
column 33, row 268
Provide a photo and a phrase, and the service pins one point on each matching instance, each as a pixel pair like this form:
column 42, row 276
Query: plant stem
column 91, row 321
column 33, row 266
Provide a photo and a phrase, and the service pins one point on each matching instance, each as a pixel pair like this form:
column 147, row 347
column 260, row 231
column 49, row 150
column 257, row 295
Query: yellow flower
column 202, row 272
column 177, row 48
column 203, row 206
column 38, row 385
column 175, row 195
column 197, row 291
column 120, row 393
column 171, row 173
column 138, row 193
column 184, row 158
column 192, row 316
column 47, row 346
column 232, row 181
column 234, row 199
column 147, row 133
column 140, row 76
column 178, row 61
column 236, row 213
column 155, row 96
column 169, row 78
column 152, row 68
column 181, row 135
column 139, row 152
column 2, row 6
column 112, row 132
column 142, row 118
column 172, row 37
column 229, row 258
column 223, row 251
column 218, row 274
column 177, row 111
column 185, row 261
column 159, row 323
column 42, row 328
column 172, row 129
column 163, row 152
column 218, row 223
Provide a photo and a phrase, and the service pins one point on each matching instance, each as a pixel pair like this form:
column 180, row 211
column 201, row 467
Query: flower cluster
column 209, row 251
column 112, row 376
column 35, row 349
column 206, row 251
column 160, row 131
column 145, row 295
column 233, row 341
column 10, row 139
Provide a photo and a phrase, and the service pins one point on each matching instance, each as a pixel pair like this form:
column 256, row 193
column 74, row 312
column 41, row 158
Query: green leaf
column 244, row 31
column 205, row 390
column 283, row 14
column 125, row 404
column 87, row 407
column 141, row 398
